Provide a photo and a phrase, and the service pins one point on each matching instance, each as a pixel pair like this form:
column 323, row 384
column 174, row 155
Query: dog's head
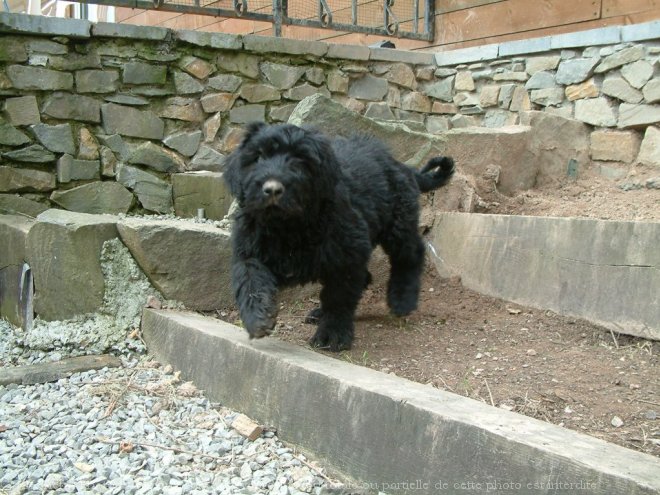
column 281, row 171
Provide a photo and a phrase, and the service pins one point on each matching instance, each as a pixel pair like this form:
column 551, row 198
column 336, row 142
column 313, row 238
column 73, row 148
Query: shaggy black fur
column 312, row 209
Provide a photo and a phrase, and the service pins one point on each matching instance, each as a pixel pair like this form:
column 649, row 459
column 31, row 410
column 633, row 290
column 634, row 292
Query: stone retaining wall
column 97, row 118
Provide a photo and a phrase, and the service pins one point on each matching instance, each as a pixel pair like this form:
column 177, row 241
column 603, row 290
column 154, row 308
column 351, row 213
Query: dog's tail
column 436, row 173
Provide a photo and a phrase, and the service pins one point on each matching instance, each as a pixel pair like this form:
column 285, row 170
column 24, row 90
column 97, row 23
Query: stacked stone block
column 99, row 117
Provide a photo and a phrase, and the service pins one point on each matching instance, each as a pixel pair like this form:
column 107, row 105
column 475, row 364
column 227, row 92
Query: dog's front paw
column 259, row 324
column 402, row 301
column 332, row 340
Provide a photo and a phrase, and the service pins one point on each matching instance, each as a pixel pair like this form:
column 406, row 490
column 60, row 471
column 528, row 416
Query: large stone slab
column 368, row 87
column 157, row 158
column 10, row 136
column 13, row 179
column 96, row 198
column 12, row 50
column 280, row 75
column 388, row 433
column 75, row 107
column 649, row 153
column 154, row 193
column 208, row 158
column 639, row 116
column 114, row 30
column 617, row 146
column 194, row 190
column 31, row 78
column 223, row 41
column 141, row 73
column 15, row 274
column 575, row 71
column 267, row 44
column 97, row 81
column 596, row 111
column 70, row 169
column 186, row 143
column 184, row 260
column 57, row 138
column 64, row 251
column 603, row 271
column 11, row 204
column 186, row 109
column 126, row 290
column 35, row 153
column 410, row 147
column 554, row 142
column 30, row 24
column 474, row 149
column 22, row 110
column 127, row 121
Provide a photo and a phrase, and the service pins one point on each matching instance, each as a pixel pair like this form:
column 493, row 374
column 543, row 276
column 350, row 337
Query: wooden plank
column 149, row 17
column 241, row 26
column 51, row 372
column 446, row 6
column 124, row 13
column 511, row 16
column 193, row 22
column 613, row 8
column 570, row 28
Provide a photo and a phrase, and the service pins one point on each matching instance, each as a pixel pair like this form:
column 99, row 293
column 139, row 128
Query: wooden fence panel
column 446, row 6
column 612, row 8
column 511, row 16
column 458, row 23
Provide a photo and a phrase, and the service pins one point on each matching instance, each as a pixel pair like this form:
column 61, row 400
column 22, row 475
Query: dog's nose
column 273, row 188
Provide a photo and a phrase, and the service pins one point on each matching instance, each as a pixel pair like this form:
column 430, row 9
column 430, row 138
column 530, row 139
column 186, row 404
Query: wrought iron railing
column 403, row 18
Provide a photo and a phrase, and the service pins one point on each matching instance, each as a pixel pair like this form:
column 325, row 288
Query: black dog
column 312, row 209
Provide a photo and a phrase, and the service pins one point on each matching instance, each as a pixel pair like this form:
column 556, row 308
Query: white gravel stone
column 64, row 437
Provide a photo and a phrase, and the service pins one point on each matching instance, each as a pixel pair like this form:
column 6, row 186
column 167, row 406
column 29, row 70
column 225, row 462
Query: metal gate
column 400, row 18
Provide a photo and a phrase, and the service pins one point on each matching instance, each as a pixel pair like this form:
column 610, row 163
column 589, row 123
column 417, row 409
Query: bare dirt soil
column 635, row 197
column 554, row 368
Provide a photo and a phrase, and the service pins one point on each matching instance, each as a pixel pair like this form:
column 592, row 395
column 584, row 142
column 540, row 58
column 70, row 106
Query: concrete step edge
column 383, row 430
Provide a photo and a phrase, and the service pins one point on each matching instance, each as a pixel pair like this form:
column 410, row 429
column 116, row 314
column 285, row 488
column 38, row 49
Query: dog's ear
column 318, row 146
column 232, row 172
column 232, row 175
column 251, row 130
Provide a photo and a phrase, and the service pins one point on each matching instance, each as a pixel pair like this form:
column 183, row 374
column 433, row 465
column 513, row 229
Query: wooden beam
column 570, row 28
column 612, row 8
column 51, row 372
column 511, row 16
column 446, row 6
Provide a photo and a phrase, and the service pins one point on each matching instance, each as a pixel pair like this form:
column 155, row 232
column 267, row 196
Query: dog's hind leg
column 314, row 316
column 407, row 262
column 339, row 299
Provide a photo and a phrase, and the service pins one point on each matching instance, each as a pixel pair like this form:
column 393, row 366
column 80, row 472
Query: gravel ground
column 134, row 430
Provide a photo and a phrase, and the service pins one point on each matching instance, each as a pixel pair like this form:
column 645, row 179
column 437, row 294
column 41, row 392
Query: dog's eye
column 249, row 159
column 269, row 148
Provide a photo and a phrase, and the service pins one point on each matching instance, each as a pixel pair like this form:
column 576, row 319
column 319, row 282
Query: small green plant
column 366, row 361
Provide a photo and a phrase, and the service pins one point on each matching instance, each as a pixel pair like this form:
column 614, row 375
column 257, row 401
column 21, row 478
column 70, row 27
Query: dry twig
column 162, row 447
column 115, row 399
column 314, row 468
column 616, row 342
column 492, row 402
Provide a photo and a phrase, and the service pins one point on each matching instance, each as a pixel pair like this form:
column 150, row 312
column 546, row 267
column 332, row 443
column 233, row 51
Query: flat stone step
column 606, row 272
column 388, row 433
